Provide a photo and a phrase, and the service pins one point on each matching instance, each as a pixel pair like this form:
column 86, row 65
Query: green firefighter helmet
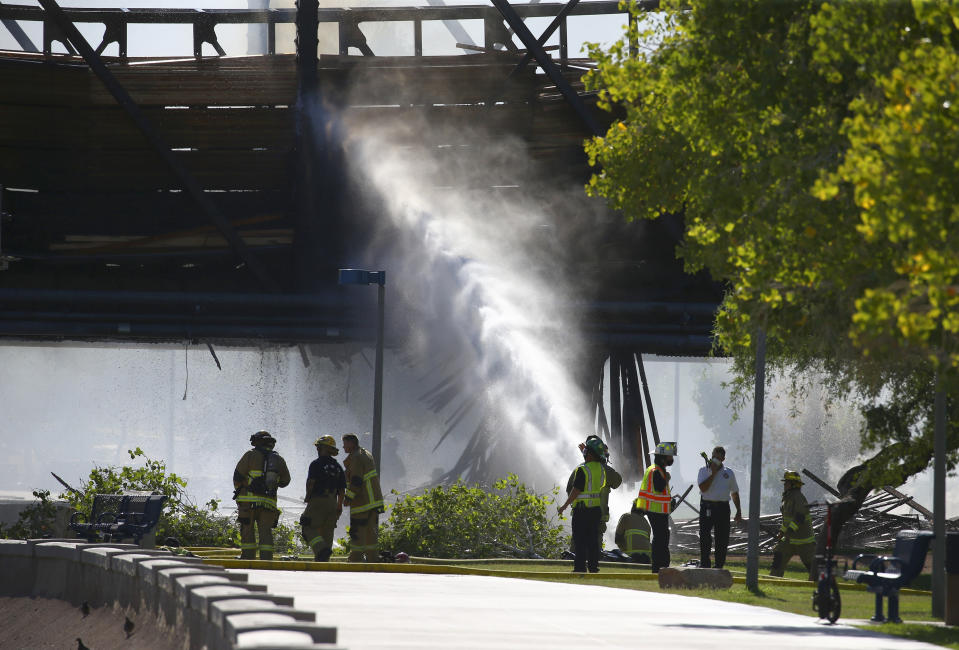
column 597, row 446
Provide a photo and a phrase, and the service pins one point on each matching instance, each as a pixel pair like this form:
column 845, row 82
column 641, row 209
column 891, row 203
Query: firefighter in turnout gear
column 632, row 536
column 258, row 475
column 365, row 499
column 655, row 501
column 325, row 488
column 586, row 496
column 795, row 536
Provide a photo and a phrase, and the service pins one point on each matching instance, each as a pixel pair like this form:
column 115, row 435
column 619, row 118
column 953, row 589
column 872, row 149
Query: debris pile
column 873, row 526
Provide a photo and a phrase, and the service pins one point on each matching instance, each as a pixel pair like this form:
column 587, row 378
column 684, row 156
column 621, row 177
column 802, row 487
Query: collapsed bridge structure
column 203, row 197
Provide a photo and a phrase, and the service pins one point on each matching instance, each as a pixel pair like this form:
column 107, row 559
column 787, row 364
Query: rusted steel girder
column 184, row 177
column 519, row 28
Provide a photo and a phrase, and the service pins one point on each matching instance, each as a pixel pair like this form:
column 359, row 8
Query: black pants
column 586, row 537
column 713, row 516
column 659, row 525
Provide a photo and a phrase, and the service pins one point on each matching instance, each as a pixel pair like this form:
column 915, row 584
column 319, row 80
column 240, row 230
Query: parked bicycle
column 825, row 600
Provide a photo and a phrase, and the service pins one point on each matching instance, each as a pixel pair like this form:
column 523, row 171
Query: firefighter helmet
column 402, row 556
column 666, row 449
column 791, row 475
column 596, row 446
column 262, row 438
column 327, row 441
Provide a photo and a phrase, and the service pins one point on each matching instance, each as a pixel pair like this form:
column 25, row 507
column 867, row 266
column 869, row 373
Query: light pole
column 359, row 276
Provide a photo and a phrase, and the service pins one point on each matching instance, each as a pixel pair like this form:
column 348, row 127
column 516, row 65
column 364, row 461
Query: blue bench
column 115, row 517
column 888, row 573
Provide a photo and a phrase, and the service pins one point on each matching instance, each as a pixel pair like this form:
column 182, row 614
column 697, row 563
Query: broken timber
column 873, row 527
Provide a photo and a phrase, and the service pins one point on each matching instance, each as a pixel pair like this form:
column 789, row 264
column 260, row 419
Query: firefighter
column 365, row 499
column 586, row 496
column 255, row 481
column 654, row 500
column 632, row 536
column 613, row 480
column 325, row 487
column 795, row 535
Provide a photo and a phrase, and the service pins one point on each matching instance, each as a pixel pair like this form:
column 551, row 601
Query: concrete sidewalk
column 387, row 611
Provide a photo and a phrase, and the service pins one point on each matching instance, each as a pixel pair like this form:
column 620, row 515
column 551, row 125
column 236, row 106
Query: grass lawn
column 787, row 597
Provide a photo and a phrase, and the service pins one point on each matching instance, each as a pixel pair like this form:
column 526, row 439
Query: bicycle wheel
column 828, row 601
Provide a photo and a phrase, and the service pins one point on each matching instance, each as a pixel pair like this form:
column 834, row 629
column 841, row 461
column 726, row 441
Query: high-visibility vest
column 591, row 496
column 649, row 499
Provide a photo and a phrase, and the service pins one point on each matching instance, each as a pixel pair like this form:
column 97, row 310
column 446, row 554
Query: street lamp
column 359, row 276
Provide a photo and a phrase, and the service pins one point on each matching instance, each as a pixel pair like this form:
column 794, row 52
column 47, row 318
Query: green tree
column 811, row 148
column 468, row 521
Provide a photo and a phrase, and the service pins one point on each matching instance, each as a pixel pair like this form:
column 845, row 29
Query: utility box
column 952, row 579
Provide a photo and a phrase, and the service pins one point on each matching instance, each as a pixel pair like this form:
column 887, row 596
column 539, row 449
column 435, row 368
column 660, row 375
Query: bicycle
column 825, row 599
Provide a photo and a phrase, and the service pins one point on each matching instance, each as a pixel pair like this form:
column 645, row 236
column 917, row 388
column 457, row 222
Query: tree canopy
column 813, row 149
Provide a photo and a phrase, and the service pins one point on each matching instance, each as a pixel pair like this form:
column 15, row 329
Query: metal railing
column 116, row 22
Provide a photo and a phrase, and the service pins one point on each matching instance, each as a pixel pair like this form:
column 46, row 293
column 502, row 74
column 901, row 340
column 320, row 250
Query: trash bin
column 952, row 579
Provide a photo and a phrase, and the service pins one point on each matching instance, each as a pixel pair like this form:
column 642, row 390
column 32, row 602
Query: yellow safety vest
column 591, row 496
column 649, row 499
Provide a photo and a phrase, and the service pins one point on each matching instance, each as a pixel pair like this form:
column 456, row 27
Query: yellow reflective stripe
column 266, row 548
column 590, row 497
column 369, row 506
column 258, row 500
column 369, row 475
column 247, row 546
column 350, row 494
column 354, row 547
column 804, row 540
column 316, row 540
column 256, row 473
column 630, row 544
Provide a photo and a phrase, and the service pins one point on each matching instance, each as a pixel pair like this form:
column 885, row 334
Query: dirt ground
column 29, row 623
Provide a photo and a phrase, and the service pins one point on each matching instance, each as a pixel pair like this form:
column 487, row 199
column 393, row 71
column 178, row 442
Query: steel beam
column 183, row 176
column 559, row 20
column 18, row 34
column 519, row 28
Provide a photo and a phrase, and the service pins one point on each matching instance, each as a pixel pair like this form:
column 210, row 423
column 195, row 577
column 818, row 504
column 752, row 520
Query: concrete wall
column 203, row 606
column 10, row 509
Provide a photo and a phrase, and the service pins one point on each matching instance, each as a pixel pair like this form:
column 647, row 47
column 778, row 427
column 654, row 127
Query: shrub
column 468, row 521
column 34, row 521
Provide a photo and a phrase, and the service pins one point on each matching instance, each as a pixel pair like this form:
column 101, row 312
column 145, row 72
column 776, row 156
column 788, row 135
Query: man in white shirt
column 716, row 483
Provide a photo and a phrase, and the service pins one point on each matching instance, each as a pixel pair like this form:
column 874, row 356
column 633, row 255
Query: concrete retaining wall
column 205, row 606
